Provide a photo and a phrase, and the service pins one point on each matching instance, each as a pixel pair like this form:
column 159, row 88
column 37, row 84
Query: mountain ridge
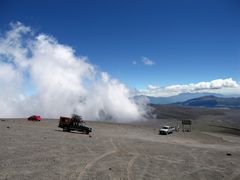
column 209, row 100
column 212, row 101
column 176, row 98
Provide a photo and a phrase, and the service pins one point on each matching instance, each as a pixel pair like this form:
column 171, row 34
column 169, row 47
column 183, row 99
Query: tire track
column 130, row 165
column 145, row 169
column 93, row 162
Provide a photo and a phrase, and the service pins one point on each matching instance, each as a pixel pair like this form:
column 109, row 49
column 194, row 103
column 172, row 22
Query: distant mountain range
column 178, row 98
column 197, row 100
column 212, row 102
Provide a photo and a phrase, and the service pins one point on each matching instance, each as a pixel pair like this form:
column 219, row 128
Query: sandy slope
column 115, row 151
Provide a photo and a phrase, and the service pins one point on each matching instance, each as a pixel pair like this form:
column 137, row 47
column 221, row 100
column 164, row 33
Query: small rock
column 90, row 136
column 228, row 154
column 110, row 169
column 8, row 127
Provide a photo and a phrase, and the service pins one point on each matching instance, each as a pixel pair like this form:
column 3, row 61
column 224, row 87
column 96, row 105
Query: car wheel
column 65, row 129
column 85, row 132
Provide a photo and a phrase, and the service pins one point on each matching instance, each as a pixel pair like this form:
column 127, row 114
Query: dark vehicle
column 35, row 118
column 74, row 124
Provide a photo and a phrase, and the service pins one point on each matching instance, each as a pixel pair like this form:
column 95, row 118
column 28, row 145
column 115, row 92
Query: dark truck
column 74, row 124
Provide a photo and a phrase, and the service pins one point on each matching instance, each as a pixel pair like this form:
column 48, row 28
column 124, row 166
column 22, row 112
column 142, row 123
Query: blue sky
column 188, row 41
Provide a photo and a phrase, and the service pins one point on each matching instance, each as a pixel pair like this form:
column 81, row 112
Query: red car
column 35, row 118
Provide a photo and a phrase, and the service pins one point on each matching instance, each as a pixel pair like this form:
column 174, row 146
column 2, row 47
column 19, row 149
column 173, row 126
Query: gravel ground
column 40, row 150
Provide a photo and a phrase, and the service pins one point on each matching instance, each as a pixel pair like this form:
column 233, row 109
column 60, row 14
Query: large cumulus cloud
column 38, row 75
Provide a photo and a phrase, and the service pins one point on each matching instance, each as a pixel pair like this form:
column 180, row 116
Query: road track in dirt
column 130, row 166
column 95, row 160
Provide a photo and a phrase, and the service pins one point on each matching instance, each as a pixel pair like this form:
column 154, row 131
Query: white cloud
column 64, row 83
column 152, row 87
column 215, row 84
column 134, row 62
column 147, row 61
column 218, row 85
column 11, row 47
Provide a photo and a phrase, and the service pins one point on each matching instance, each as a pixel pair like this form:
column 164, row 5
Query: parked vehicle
column 34, row 118
column 166, row 130
column 74, row 124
